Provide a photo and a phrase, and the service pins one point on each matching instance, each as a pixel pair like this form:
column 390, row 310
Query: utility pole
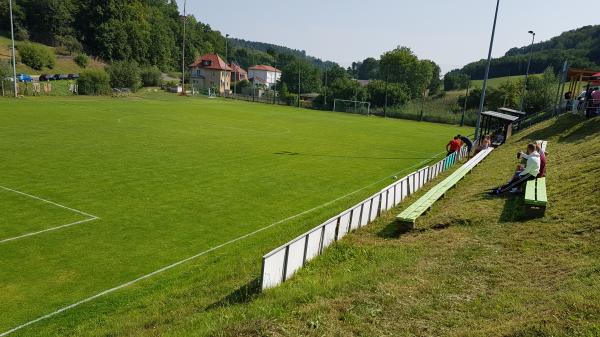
column 487, row 73
column 299, row 83
column 522, row 106
column 183, row 50
column 12, row 36
column 462, row 120
column 325, row 100
column 387, row 79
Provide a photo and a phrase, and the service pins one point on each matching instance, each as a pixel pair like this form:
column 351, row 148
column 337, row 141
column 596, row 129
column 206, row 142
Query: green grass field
column 471, row 267
column 144, row 182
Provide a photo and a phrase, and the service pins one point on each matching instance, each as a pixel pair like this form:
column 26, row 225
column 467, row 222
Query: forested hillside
column 273, row 49
column 581, row 47
column 149, row 32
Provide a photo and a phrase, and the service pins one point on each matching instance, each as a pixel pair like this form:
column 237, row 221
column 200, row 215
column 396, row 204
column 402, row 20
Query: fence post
column 285, row 260
column 305, row 250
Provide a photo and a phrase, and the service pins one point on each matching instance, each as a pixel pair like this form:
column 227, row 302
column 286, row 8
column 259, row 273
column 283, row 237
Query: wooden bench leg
column 534, row 211
column 405, row 226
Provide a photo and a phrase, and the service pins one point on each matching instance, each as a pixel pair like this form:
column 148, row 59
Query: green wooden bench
column 414, row 211
column 536, row 198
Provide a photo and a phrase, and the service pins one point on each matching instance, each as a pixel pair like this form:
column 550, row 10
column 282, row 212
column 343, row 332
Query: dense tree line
column 581, row 47
column 394, row 79
column 273, row 49
column 148, row 32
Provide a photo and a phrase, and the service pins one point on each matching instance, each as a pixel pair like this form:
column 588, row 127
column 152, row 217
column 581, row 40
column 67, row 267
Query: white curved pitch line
column 171, row 266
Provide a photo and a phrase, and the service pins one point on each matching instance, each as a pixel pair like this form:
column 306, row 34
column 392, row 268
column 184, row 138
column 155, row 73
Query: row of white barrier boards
column 283, row 262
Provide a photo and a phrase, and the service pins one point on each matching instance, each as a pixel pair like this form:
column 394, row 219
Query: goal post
column 357, row 107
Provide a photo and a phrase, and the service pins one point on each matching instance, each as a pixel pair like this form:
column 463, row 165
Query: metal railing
column 283, row 262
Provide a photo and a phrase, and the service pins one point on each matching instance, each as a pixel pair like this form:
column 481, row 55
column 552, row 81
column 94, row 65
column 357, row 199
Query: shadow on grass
column 289, row 153
column 513, row 209
column 584, row 130
column 564, row 124
column 395, row 229
column 243, row 294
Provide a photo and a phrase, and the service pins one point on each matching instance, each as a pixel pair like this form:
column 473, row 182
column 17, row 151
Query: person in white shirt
column 530, row 172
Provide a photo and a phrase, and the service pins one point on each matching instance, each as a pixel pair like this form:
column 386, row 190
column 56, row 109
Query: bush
column 69, row 43
column 93, row 82
column 82, row 60
column 36, row 57
column 151, row 77
column 124, row 74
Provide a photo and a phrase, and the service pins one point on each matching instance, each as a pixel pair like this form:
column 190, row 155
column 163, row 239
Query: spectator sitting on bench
column 485, row 144
column 530, row 171
column 498, row 139
column 453, row 146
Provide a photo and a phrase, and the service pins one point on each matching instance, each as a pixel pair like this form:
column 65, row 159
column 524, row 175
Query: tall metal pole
column 183, row 50
column 462, row 120
column 298, row 83
column 325, row 100
column 487, row 73
column 387, row 79
column 12, row 36
column 522, row 105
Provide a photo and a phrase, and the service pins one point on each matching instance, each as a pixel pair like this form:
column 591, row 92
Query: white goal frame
column 356, row 103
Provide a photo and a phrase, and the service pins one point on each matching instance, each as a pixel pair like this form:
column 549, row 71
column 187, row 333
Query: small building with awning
column 498, row 124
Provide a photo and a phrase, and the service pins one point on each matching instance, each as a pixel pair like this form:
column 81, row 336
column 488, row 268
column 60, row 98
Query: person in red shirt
column 453, row 146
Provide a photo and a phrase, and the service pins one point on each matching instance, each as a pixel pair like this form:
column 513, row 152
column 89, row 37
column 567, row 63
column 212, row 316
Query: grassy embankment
column 472, row 267
column 64, row 64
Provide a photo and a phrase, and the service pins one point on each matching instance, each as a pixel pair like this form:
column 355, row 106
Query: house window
column 206, row 63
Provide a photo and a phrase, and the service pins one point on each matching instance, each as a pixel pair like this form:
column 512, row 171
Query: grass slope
column 64, row 64
column 170, row 177
column 471, row 268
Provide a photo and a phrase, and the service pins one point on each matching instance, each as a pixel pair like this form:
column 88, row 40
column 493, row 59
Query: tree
column 151, row 76
column 310, row 77
column 541, row 91
column 402, row 66
column 397, row 94
column 348, row 89
column 368, row 69
column 455, row 80
column 124, row 74
column 93, row 82
column 435, row 83
column 36, row 56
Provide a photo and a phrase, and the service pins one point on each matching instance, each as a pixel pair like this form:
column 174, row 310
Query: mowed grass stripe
column 168, row 185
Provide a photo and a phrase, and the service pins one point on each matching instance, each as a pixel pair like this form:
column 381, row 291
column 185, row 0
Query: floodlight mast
column 183, row 50
column 487, row 74
column 12, row 36
column 522, row 105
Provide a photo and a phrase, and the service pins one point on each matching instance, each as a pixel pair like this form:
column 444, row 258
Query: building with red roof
column 238, row 73
column 211, row 72
column 263, row 74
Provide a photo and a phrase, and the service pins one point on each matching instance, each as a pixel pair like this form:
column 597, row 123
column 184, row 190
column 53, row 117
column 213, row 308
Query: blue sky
column 449, row 32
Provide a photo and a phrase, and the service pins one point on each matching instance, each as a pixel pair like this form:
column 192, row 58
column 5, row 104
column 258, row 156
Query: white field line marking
column 90, row 216
column 47, row 230
column 171, row 266
column 49, row 202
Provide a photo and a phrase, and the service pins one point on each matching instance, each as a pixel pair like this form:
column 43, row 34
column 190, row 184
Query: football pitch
column 106, row 202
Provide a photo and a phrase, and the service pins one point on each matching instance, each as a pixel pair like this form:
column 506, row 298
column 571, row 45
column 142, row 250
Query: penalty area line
column 90, row 216
column 48, row 230
column 180, row 262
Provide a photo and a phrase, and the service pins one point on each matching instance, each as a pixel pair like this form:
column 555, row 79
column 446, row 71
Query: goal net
column 357, row 107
